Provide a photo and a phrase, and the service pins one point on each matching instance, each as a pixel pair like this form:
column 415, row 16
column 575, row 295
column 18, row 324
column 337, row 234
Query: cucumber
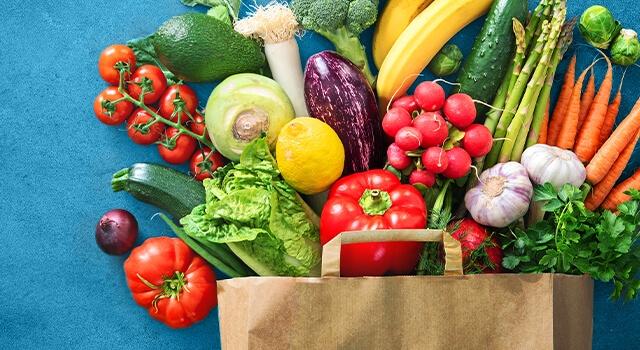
column 485, row 67
column 168, row 189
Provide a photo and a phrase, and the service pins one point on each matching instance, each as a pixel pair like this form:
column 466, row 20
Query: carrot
column 587, row 99
column 602, row 189
column 618, row 196
column 610, row 119
column 589, row 136
column 607, row 154
column 563, row 102
column 612, row 114
column 567, row 136
column 542, row 138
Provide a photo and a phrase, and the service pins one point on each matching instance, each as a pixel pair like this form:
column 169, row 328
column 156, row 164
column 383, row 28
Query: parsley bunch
column 574, row 240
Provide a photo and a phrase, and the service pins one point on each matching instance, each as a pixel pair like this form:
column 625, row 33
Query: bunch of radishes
column 434, row 134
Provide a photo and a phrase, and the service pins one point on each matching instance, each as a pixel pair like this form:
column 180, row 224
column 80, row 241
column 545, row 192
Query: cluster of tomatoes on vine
column 434, row 134
column 155, row 112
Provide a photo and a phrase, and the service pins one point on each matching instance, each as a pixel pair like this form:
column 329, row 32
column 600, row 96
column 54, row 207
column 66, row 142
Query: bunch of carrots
column 584, row 123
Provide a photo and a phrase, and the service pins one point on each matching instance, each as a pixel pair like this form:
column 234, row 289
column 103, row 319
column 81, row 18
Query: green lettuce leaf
column 258, row 215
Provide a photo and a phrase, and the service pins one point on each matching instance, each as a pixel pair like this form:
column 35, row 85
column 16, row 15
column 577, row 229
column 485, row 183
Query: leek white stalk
column 276, row 25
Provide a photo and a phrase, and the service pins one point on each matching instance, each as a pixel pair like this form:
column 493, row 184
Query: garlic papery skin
column 502, row 195
column 552, row 164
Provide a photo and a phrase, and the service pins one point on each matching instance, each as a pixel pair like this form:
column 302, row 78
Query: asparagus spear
column 536, row 18
column 522, row 119
column 498, row 103
column 515, row 96
column 538, row 115
column 521, row 49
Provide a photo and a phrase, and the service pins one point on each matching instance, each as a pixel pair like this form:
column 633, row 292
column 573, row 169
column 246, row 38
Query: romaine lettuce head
column 258, row 215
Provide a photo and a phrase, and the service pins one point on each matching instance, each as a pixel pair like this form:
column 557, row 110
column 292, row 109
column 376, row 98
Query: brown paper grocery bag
column 491, row 311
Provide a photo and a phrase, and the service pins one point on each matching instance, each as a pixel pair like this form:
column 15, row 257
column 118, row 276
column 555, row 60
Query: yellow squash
column 421, row 41
column 397, row 16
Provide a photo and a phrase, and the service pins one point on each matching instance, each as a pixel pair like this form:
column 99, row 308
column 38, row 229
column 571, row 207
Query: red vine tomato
column 176, row 149
column 204, row 163
column 107, row 111
column 168, row 102
column 140, row 131
column 110, row 57
column 152, row 79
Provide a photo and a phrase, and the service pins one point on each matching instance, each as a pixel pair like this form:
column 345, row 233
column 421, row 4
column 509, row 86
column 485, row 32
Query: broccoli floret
column 340, row 21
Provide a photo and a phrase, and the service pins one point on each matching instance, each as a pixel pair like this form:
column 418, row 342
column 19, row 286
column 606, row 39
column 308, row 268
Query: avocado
column 199, row 48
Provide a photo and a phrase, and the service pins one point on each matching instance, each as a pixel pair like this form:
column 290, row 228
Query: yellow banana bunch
column 421, row 41
column 396, row 16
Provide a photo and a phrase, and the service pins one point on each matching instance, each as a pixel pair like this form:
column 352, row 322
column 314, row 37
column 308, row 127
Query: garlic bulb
column 502, row 195
column 558, row 166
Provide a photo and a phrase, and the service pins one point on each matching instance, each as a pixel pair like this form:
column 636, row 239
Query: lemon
column 310, row 155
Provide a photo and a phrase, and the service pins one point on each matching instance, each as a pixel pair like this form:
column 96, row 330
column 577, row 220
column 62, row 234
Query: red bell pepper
column 374, row 200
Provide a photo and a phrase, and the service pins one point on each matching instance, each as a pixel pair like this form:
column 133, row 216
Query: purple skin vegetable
column 116, row 232
column 337, row 93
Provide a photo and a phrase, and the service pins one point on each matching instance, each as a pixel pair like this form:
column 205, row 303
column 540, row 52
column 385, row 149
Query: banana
column 421, row 41
column 396, row 16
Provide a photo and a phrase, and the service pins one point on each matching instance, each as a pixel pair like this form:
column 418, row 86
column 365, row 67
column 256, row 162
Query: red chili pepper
column 374, row 200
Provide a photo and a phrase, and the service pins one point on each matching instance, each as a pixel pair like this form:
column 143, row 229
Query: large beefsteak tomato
column 166, row 277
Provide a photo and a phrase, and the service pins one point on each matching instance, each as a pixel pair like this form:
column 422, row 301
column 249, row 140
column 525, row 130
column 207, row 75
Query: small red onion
column 116, row 232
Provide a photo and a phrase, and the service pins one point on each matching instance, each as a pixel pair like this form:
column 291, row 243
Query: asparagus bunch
column 523, row 96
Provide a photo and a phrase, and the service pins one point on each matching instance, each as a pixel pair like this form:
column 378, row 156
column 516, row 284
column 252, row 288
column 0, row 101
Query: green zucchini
column 485, row 67
column 177, row 194
column 165, row 188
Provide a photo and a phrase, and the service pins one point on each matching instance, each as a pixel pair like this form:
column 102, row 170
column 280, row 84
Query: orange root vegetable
column 542, row 138
column 563, row 102
column 602, row 189
column 588, row 139
column 567, row 136
column 608, row 153
column 618, row 196
column 612, row 114
column 587, row 99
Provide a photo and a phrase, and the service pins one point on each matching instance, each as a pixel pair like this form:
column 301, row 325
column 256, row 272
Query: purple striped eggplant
column 337, row 93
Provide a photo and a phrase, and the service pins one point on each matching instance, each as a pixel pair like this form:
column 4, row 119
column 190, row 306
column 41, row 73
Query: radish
column 460, row 110
column 408, row 138
column 397, row 158
column 430, row 96
column 459, row 163
column 408, row 103
column 477, row 140
column 395, row 119
column 480, row 251
column 433, row 127
column 434, row 159
column 422, row 177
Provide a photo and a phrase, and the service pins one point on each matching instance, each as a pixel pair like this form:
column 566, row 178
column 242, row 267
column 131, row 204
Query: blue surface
column 57, row 160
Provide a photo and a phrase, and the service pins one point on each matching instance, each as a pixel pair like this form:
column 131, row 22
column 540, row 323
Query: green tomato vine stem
column 179, row 108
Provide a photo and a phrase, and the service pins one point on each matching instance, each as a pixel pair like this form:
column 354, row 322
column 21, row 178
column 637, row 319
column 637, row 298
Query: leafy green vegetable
column 625, row 50
column 146, row 54
column 574, row 240
column 224, row 10
column 258, row 215
column 598, row 26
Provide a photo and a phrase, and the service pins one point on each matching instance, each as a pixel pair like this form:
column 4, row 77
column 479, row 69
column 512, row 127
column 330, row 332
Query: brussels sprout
column 447, row 61
column 625, row 50
column 598, row 27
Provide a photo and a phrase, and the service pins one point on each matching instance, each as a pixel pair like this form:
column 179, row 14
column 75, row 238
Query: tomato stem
column 180, row 108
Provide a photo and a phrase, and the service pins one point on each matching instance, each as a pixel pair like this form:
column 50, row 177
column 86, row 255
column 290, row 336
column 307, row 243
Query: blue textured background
column 60, row 290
